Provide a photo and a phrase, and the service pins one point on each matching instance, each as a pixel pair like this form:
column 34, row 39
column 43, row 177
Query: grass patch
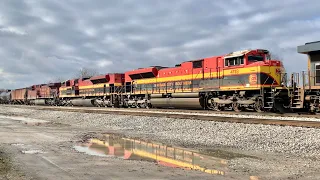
column 5, row 164
column 7, row 170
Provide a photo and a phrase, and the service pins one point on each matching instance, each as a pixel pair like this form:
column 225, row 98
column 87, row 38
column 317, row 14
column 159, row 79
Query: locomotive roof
column 309, row 47
column 243, row 52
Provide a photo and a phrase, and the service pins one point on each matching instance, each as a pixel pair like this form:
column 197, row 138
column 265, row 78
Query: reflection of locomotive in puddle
column 130, row 149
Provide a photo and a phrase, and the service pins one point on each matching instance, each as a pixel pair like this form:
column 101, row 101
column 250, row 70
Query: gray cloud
column 42, row 40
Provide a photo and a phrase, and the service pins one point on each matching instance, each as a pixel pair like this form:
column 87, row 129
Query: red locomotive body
column 94, row 91
column 33, row 92
column 19, row 96
column 142, row 73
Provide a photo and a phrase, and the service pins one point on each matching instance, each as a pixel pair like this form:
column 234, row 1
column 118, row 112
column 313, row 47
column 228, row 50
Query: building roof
column 309, row 47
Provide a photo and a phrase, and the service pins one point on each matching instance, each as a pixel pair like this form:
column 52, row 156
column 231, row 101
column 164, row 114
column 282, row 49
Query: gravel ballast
column 279, row 139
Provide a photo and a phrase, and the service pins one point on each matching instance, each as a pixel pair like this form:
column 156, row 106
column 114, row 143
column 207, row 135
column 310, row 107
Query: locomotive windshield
column 234, row 61
column 255, row 58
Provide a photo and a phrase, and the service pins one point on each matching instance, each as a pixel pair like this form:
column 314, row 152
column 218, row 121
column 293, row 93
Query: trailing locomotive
column 43, row 94
column 242, row 80
column 95, row 91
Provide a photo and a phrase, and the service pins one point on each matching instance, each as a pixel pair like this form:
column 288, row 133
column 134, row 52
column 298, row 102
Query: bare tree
column 86, row 73
column 275, row 56
column 82, row 73
column 56, row 80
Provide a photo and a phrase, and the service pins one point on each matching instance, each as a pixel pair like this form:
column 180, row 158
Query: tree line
column 81, row 73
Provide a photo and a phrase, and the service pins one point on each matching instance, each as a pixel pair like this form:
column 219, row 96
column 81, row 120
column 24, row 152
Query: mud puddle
column 214, row 162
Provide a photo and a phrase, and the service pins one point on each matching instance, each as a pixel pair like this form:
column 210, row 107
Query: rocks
column 295, row 140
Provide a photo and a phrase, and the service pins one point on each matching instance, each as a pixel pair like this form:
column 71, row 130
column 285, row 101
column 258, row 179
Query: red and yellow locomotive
column 234, row 81
column 94, row 91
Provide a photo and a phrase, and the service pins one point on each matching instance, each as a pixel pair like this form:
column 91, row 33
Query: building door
column 317, row 74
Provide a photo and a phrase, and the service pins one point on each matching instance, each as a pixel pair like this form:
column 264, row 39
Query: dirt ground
column 43, row 149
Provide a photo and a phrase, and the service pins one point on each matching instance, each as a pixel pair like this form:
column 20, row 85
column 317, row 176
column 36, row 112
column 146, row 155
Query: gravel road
column 291, row 150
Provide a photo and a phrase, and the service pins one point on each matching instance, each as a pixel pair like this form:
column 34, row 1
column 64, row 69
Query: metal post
column 303, row 80
column 292, row 80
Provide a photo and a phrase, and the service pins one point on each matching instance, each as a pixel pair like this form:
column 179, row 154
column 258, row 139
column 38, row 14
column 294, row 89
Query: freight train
column 238, row 81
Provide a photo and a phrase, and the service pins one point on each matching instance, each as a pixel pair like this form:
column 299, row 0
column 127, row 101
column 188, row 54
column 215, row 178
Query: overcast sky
column 45, row 39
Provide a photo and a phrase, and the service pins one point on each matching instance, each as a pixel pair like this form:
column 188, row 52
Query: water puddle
column 32, row 152
column 89, row 151
column 212, row 162
column 17, row 144
column 25, row 120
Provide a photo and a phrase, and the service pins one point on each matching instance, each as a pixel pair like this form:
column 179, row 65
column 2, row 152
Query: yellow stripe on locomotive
column 245, row 78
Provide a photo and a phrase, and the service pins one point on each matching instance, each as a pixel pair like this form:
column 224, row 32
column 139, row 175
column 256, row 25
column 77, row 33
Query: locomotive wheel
column 236, row 107
column 217, row 107
column 258, row 106
column 210, row 104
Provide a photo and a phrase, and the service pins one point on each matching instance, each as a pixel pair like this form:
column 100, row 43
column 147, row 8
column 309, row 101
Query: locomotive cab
column 248, row 57
column 257, row 64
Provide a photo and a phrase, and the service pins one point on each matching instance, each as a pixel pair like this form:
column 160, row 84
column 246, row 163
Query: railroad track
column 303, row 120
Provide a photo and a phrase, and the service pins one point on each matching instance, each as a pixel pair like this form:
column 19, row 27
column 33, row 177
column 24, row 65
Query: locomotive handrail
column 284, row 79
column 267, row 80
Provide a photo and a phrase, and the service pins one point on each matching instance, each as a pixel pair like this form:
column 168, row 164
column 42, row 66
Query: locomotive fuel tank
column 189, row 103
column 40, row 102
column 176, row 100
column 83, row 102
column 156, row 96
column 185, row 95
